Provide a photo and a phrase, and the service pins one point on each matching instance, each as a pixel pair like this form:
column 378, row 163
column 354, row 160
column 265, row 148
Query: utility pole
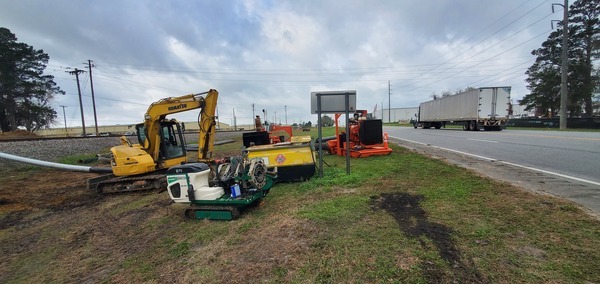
column 93, row 100
column 389, row 102
column 65, row 118
column 565, row 63
column 275, row 117
column 285, row 107
column 253, row 111
column 234, row 121
column 76, row 73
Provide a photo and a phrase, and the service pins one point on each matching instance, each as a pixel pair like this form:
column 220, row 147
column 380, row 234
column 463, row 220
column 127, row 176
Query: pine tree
column 585, row 20
column 25, row 92
column 544, row 75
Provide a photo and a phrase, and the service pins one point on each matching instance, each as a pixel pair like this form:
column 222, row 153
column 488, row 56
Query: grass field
column 402, row 218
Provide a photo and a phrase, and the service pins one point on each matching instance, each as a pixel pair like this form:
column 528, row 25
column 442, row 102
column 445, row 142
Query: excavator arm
column 157, row 112
column 207, row 122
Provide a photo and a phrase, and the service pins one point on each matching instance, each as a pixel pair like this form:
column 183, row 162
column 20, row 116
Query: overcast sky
column 274, row 53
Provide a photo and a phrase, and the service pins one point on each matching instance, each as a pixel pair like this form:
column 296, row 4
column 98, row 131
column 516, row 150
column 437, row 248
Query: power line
column 473, row 46
column 544, row 33
column 347, row 71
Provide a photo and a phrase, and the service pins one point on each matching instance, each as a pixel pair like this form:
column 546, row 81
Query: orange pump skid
column 357, row 148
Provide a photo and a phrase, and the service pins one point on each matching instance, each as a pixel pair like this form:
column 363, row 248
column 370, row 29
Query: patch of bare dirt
column 46, row 212
column 414, row 223
column 45, row 189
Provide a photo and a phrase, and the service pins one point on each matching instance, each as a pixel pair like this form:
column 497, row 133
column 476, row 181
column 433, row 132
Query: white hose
column 55, row 165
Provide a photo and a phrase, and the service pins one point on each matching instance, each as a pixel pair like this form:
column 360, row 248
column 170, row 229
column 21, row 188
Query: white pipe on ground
column 55, row 165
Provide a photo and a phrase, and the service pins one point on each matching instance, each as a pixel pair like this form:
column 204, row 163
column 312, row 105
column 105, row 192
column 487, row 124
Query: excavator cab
column 172, row 142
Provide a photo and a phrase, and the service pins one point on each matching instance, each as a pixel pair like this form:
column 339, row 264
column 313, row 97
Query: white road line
column 465, row 153
column 446, row 149
column 488, row 141
column 398, row 138
column 553, row 173
column 508, row 163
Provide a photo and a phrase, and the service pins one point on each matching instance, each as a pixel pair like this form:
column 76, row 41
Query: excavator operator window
column 141, row 133
column 172, row 145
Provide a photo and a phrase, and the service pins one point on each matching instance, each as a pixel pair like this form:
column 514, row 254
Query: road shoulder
column 586, row 197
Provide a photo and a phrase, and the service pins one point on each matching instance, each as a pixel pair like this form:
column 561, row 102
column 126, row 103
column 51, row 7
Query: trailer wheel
column 473, row 126
column 437, row 125
column 466, row 126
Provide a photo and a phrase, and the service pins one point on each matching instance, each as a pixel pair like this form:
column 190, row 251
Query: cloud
column 274, row 53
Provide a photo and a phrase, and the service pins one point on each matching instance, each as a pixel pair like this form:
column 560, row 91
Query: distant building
column 396, row 115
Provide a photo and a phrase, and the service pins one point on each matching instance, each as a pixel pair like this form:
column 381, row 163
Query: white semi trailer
column 482, row 108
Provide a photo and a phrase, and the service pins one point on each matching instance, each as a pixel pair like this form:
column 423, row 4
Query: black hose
column 100, row 170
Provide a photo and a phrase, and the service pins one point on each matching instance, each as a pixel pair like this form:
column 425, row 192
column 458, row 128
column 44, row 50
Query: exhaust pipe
column 99, row 170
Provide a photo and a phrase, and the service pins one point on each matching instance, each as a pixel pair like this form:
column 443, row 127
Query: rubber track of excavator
column 154, row 181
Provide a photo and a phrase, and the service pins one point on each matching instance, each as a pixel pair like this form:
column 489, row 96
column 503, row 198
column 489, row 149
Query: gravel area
column 53, row 150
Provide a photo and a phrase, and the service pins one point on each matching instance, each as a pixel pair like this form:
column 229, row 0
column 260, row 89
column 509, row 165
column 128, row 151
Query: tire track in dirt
column 414, row 223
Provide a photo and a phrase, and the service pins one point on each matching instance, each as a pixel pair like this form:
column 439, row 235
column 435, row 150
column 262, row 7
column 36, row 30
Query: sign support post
column 331, row 102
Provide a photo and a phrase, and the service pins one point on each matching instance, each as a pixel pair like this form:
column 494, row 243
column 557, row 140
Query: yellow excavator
column 161, row 145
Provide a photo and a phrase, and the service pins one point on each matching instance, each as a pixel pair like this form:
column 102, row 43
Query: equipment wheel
column 473, row 126
column 258, row 173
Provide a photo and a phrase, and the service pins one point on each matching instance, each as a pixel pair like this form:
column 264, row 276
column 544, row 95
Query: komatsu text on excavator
column 161, row 145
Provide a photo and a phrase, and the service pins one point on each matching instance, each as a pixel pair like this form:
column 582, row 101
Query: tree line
column 25, row 91
column 544, row 76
